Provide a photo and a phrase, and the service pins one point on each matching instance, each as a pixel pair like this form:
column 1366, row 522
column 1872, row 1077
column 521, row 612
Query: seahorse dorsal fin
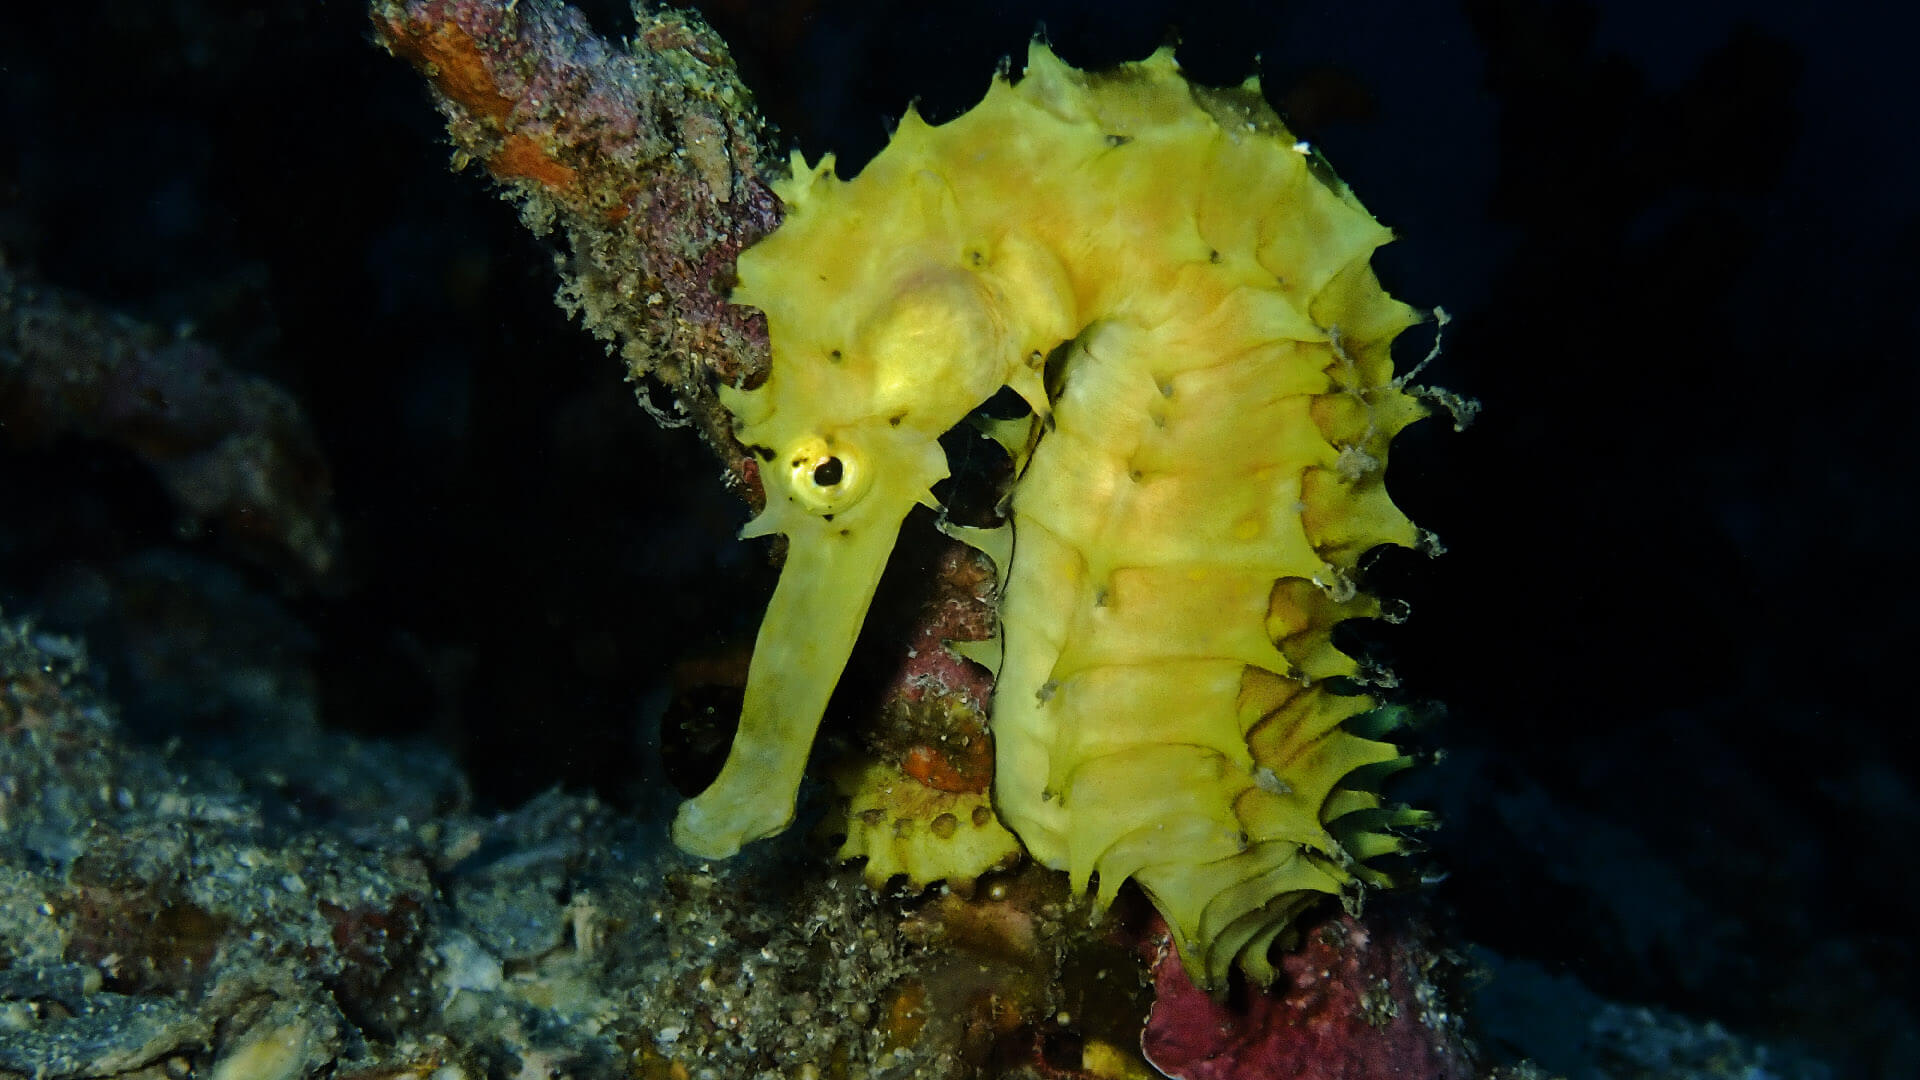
column 1015, row 436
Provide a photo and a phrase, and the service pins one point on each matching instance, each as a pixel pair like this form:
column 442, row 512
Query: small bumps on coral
column 1183, row 295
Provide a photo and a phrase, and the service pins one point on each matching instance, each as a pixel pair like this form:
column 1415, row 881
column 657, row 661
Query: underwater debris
column 158, row 911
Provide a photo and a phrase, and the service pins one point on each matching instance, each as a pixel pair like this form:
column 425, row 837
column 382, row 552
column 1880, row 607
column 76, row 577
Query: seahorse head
column 882, row 342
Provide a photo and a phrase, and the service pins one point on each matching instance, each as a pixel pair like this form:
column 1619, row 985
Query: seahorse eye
column 826, row 475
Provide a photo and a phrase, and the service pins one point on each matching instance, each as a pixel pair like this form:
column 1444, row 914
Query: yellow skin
column 1204, row 473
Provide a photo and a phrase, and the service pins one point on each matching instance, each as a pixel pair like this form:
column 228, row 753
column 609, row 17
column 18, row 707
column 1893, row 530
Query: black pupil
column 827, row 473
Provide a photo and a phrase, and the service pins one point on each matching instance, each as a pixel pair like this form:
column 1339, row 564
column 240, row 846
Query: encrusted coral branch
column 228, row 446
column 646, row 158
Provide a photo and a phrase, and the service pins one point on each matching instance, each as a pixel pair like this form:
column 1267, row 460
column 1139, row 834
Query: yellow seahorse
column 1182, row 293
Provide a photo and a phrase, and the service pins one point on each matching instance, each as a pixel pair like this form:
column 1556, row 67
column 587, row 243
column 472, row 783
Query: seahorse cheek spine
column 1201, row 476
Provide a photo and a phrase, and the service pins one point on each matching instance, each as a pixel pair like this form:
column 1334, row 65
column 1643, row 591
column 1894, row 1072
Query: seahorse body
column 1202, row 471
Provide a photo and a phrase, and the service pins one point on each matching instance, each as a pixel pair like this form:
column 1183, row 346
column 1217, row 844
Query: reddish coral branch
column 647, row 158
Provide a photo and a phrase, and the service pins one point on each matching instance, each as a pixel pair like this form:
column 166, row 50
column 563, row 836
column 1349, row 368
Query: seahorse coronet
column 1183, row 294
